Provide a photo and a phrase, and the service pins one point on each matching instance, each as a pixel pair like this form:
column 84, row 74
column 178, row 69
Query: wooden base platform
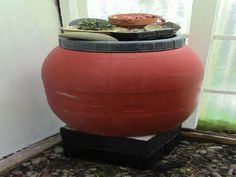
column 138, row 152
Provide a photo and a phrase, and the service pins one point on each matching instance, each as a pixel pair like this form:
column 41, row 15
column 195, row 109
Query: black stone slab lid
column 123, row 46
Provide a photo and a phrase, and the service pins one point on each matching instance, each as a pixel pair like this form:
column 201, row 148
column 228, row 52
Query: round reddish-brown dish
column 133, row 20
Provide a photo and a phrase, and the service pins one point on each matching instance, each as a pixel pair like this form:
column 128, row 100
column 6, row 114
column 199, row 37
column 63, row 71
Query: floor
column 188, row 159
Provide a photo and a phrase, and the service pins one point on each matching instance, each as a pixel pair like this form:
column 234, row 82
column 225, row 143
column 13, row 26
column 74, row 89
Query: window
column 217, row 109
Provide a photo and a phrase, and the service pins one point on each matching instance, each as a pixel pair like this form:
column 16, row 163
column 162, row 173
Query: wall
column 28, row 31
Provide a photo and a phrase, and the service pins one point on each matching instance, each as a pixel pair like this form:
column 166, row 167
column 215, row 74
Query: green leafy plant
column 94, row 24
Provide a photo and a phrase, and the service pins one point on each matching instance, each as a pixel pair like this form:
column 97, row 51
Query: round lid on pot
column 123, row 46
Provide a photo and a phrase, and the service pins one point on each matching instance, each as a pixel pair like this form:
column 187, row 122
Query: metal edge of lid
column 123, row 46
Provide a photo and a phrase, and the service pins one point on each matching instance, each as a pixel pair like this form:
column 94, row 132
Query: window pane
column 217, row 112
column 178, row 11
column 221, row 70
column 226, row 19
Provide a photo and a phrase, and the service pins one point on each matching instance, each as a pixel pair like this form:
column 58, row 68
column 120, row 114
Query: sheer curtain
column 218, row 105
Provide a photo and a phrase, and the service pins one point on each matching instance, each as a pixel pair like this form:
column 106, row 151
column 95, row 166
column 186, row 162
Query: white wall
column 28, row 30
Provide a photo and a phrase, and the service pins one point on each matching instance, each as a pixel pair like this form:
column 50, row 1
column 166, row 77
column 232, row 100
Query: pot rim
column 123, row 46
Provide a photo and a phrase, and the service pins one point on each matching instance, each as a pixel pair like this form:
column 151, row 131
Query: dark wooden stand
column 138, row 152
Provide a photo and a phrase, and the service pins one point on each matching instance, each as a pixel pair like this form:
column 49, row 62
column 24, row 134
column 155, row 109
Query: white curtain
column 218, row 106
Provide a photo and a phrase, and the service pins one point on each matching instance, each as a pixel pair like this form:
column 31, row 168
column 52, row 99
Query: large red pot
column 122, row 94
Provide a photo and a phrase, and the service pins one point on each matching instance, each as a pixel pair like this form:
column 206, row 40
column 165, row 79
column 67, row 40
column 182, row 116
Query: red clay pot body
column 122, row 94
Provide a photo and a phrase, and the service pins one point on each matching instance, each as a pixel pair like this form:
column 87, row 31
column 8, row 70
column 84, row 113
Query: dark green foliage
column 94, row 24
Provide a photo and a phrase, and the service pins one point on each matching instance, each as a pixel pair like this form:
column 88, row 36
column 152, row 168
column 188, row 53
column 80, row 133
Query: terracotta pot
column 132, row 20
column 122, row 94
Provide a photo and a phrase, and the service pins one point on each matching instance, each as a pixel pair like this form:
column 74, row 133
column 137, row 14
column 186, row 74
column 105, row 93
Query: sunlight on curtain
column 221, row 70
column 226, row 21
column 217, row 111
column 177, row 11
